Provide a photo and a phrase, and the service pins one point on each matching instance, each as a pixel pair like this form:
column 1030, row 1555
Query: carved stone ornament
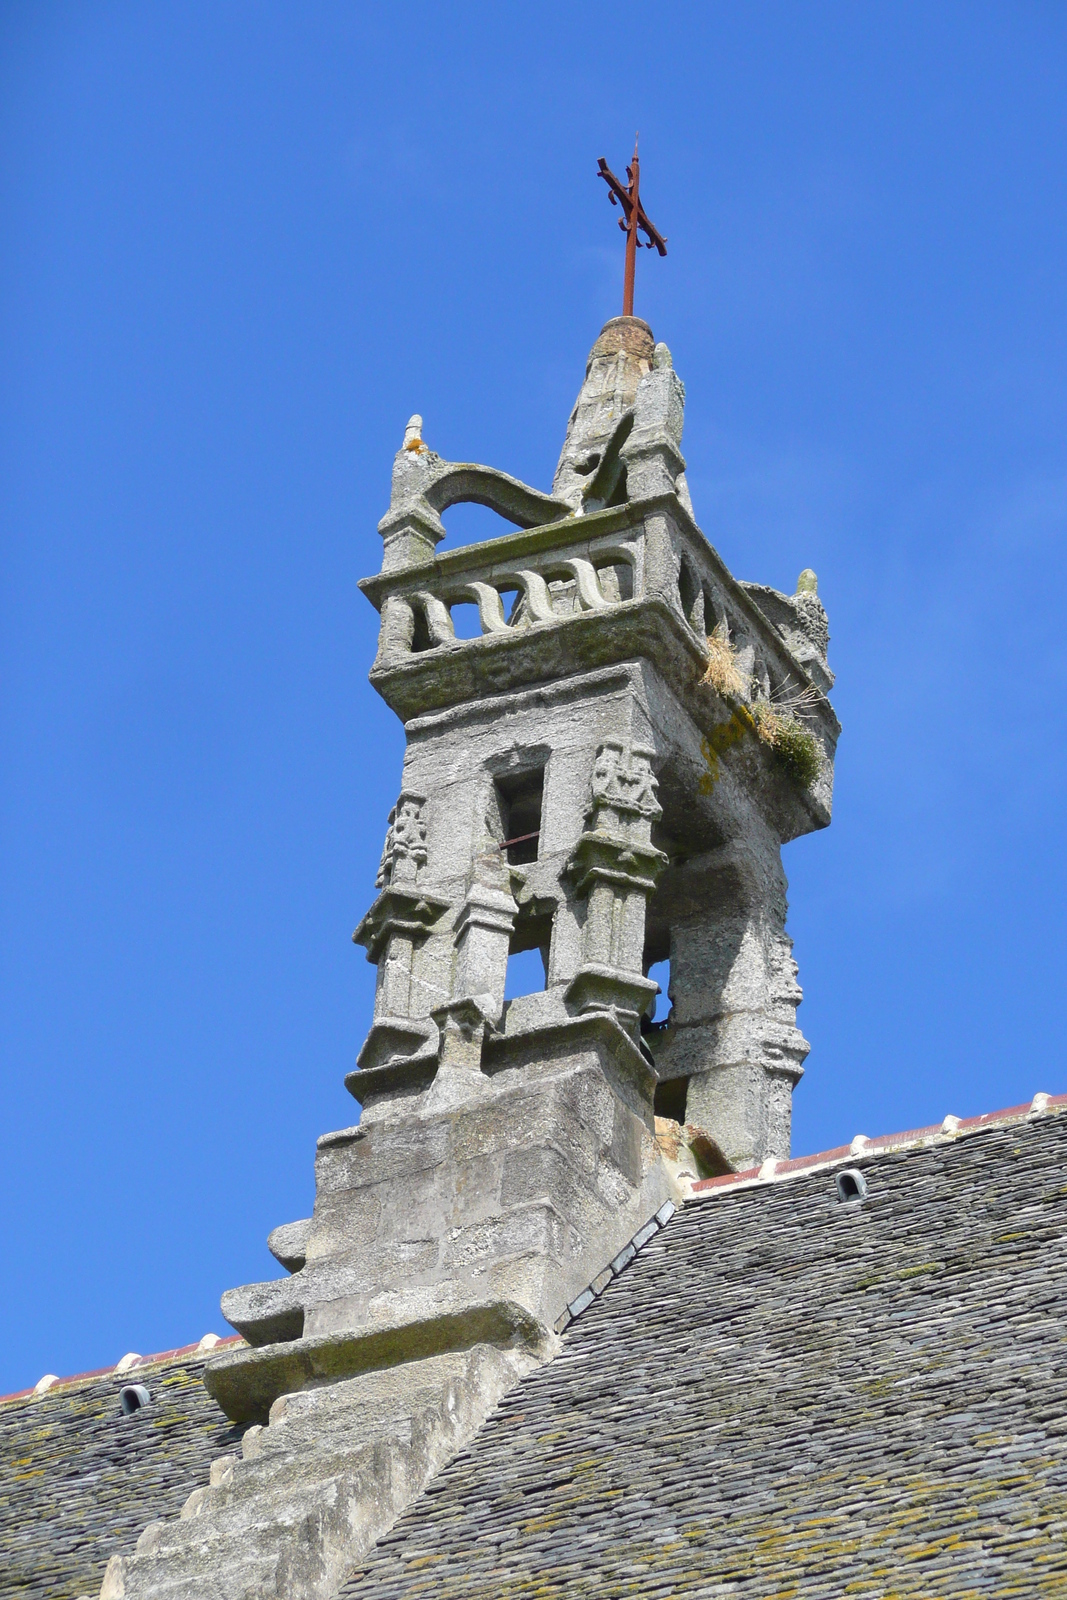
column 407, row 913
column 624, row 781
column 405, row 841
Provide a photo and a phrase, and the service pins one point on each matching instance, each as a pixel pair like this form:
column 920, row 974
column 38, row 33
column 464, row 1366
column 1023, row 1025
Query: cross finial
column 632, row 219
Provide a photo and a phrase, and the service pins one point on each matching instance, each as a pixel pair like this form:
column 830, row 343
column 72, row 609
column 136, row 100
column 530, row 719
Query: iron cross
column 632, row 219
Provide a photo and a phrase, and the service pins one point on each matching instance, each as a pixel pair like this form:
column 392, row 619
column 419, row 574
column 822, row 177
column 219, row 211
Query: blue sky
column 240, row 245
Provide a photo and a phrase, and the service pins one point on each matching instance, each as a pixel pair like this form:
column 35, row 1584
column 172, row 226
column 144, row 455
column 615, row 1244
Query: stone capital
column 397, row 910
column 625, row 995
column 461, row 1027
column 653, row 466
column 410, row 536
column 392, row 1040
column 612, row 858
column 485, row 907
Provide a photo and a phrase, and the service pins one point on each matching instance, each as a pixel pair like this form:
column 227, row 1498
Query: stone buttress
column 604, row 775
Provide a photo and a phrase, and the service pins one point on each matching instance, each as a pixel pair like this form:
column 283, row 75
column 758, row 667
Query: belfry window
column 519, row 796
column 528, row 956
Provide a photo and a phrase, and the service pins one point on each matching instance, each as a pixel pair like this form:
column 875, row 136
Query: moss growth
column 796, row 748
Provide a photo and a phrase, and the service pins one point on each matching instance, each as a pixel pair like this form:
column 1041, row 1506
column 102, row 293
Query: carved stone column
column 615, row 866
column 391, row 932
column 483, row 932
column 483, row 937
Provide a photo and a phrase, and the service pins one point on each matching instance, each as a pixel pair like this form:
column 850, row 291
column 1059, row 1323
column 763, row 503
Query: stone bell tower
column 590, row 777
column 652, row 792
column 604, row 774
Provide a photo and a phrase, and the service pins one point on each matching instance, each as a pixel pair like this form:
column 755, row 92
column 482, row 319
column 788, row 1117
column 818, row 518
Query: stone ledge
column 596, row 1029
column 247, row 1382
column 408, row 1075
column 450, row 674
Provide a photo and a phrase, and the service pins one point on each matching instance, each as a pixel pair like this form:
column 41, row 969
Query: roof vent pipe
column 132, row 1397
column 851, row 1184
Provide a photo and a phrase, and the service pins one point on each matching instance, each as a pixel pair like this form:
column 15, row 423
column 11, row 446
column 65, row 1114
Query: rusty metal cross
column 632, row 219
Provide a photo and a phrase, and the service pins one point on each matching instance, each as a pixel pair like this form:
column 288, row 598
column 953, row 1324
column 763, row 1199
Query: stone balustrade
column 515, row 582
column 620, row 573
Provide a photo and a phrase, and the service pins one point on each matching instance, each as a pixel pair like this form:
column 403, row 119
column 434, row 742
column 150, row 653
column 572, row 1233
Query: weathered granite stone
column 321, row 1482
column 782, row 1392
column 288, row 1243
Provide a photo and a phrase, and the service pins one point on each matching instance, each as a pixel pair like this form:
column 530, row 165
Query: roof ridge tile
column 863, row 1148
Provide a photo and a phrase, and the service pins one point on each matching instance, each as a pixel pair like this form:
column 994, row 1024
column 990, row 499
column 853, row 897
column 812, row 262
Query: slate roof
column 781, row 1396
column 786, row 1395
column 79, row 1481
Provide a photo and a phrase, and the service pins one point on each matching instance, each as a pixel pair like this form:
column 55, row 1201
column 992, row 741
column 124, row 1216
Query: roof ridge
column 773, row 1171
column 128, row 1363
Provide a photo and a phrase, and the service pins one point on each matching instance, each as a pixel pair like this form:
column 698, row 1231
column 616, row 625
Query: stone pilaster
column 614, row 866
column 732, row 1029
column 391, row 932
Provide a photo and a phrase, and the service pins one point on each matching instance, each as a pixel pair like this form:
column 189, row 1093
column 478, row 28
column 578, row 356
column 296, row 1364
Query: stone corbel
column 410, row 536
column 266, row 1313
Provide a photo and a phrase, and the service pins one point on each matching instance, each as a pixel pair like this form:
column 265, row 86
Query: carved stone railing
column 646, row 555
column 546, row 589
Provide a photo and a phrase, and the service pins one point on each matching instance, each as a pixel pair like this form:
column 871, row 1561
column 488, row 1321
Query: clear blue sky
column 240, row 245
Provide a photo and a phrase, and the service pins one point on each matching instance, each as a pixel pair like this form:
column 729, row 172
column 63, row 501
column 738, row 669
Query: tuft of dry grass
column 722, row 672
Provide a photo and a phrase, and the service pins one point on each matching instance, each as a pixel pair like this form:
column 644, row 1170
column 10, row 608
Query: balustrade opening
column 466, row 620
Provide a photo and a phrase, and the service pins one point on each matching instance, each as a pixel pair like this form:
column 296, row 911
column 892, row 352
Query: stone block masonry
column 857, row 1327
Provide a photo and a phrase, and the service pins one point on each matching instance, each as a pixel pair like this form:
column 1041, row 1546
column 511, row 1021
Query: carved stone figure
column 405, row 842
